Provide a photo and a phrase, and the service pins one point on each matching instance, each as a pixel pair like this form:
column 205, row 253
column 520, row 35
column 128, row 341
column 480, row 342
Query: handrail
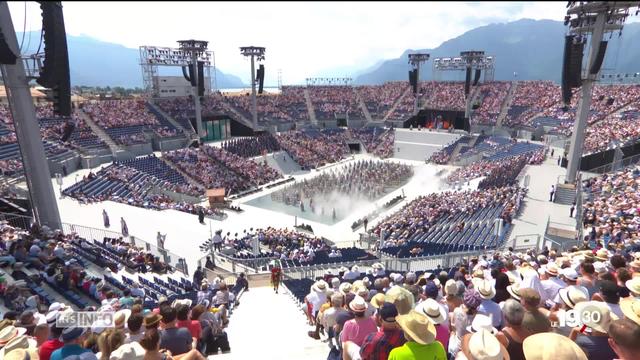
column 624, row 163
column 89, row 233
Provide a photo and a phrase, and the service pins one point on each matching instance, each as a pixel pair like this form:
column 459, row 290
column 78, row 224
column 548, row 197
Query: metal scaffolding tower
column 594, row 18
column 415, row 60
column 442, row 64
column 253, row 52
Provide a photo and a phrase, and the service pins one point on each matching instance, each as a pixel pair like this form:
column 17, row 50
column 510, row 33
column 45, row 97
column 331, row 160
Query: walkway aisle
column 269, row 326
column 537, row 207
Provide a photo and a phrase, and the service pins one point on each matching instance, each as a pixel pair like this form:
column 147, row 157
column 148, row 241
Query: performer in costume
column 276, row 275
column 124, row 228
column 105, row 218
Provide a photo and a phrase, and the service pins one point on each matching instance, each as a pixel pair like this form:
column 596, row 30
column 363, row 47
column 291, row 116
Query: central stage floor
column 185, row 234
column 322, row 213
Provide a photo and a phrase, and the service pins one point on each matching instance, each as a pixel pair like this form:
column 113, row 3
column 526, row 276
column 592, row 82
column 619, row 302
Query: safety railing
column 90, row 234
column 17, row 221
column 616, row 165
column 397, row 264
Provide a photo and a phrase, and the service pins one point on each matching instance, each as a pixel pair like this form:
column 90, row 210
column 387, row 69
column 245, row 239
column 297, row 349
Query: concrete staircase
column 395, row 104
column 565, row 194
column 506, row 105
column 310, row 108
column 115, row 148
column 189, row 130
column 366, row 112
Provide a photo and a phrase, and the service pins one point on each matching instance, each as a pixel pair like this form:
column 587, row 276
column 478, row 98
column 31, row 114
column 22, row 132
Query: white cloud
column 302, row 38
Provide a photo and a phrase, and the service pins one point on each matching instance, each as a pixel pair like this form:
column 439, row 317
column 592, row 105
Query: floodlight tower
column 253, row 52
column 195, row 48
column 415, row 60
column 472, row 59
column 593, row 18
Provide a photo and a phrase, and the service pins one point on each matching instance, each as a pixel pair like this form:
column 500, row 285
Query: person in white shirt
column 136, row 291
column 488, row 306
column 552, row 284
column 353, row 274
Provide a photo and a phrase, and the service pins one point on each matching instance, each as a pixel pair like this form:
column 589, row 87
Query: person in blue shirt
column 72, row 337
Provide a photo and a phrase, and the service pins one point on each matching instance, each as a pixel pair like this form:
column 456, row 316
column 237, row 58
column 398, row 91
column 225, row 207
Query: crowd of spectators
column 611, row 212
column 531, row 98
column 377, row 141
column 252, row 172
column 189, row 326
column 287, row 244
column 492, row 97
column 380, row 99
column 119, row 113
column 364, row 179
column 496, row 173
column 10, row 158
column 445, row 95
column 418, row 215
column 498, row 305
column 125, row 120
column 252, row 146
column 132, row 187
column 543, row 99
column 287, row 107
column 207, row 171
column 618, row 128
column 332, row 101
column 217, row 168
column 312, row 152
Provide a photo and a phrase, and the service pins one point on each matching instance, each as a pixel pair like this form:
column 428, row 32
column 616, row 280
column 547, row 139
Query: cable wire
column 24, row 27
column 41, row 36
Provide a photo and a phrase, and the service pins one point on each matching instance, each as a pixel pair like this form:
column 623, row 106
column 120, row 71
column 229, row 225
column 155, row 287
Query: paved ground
column 537, row 207
column 266, row 326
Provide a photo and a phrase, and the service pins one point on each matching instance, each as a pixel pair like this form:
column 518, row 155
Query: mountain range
column 97, row 63
column 533, row 49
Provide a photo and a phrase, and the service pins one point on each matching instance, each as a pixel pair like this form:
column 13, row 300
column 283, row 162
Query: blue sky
column 302, row 39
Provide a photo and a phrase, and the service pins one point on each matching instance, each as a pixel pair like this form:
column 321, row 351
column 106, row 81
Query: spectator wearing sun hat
column 438, row 315
column 488, row 306
column 21, row 347
column 634, row 286
column 358, row 328
column 552, row 284
column 569, row 298
column 420, row 334
column 483, row 345
column 595, row 344
column 550, row 346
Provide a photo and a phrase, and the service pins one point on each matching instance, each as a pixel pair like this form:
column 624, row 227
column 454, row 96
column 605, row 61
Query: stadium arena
column 459, row 219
